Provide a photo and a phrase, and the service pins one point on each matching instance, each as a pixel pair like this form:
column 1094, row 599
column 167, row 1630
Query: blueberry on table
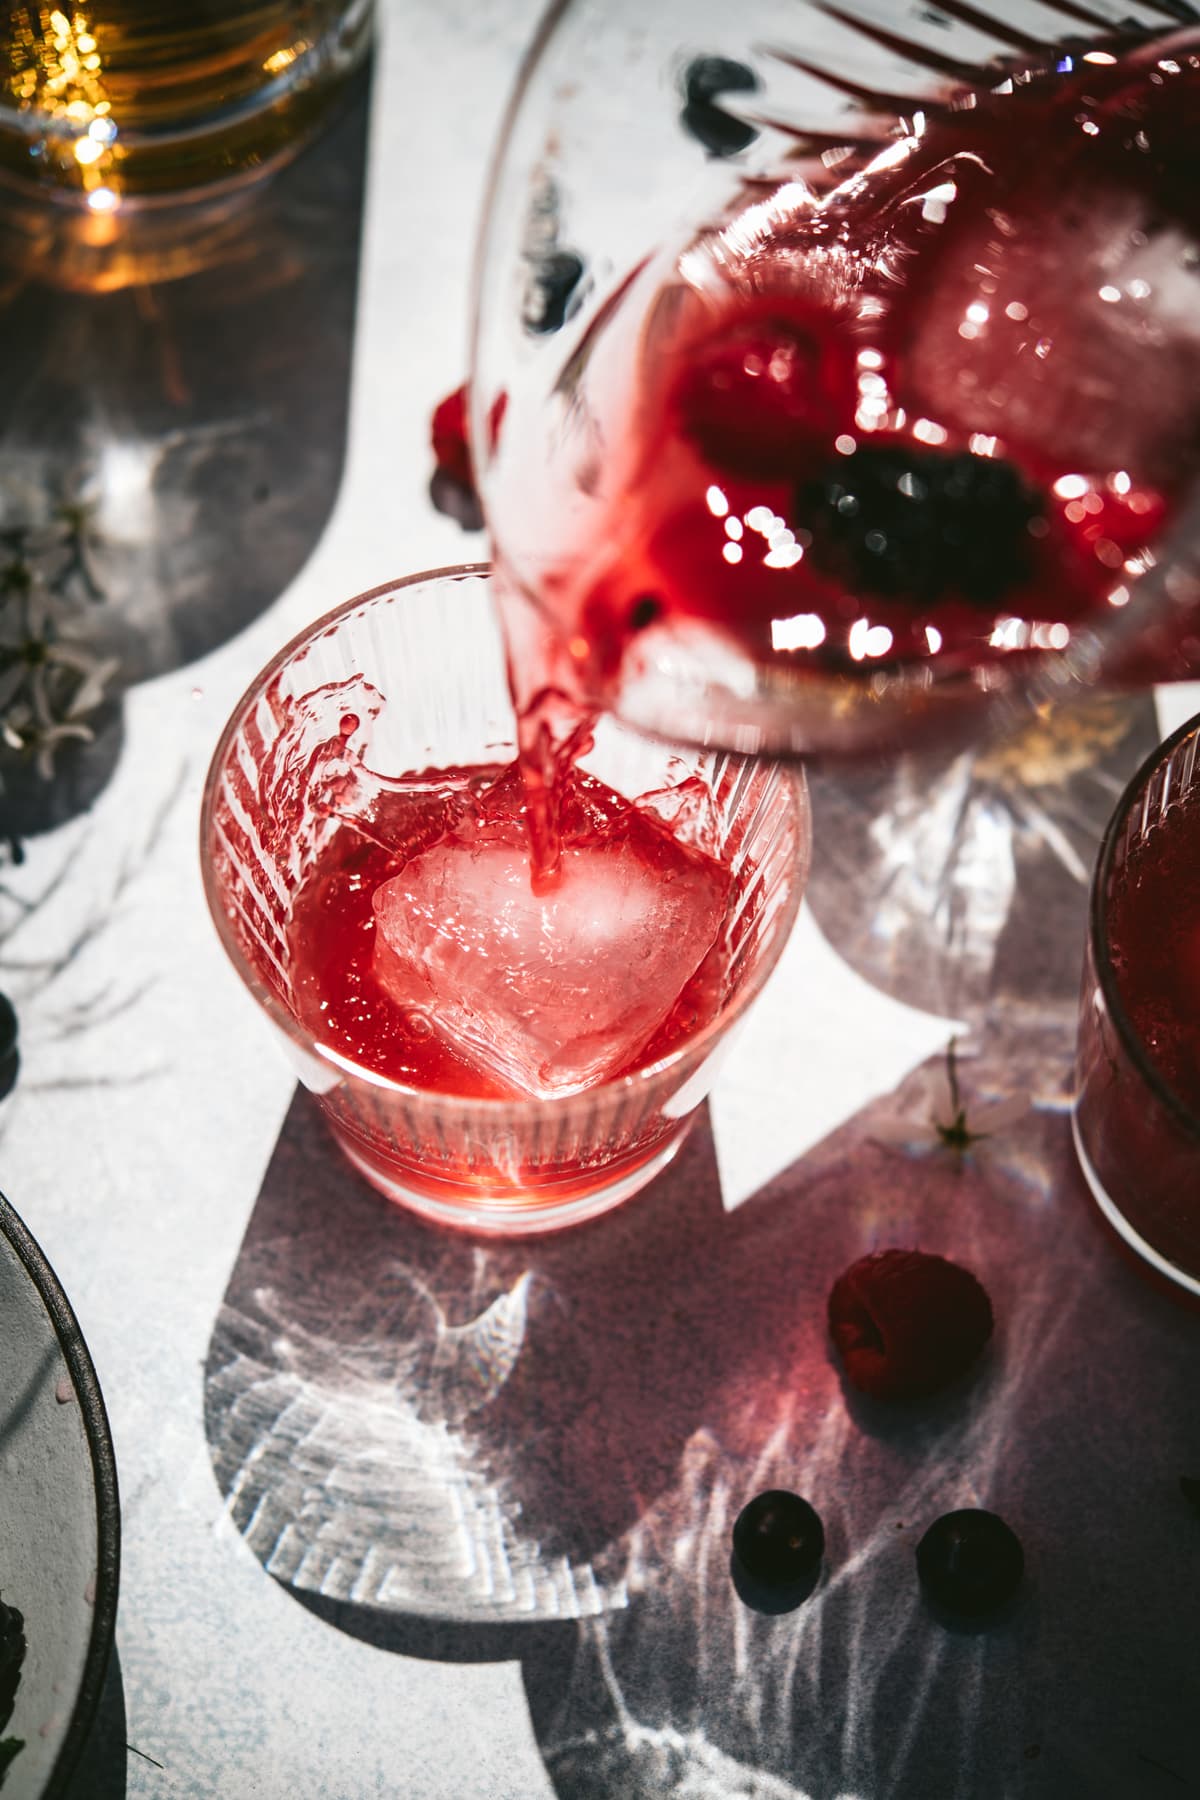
column 970, row 1563
column 778, row 1540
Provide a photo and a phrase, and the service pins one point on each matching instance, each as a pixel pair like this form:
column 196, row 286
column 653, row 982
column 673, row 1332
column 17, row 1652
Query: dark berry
column 758, row 395
column 554, row 282
column 922, row 525
column 970, row 1563
column 778, row 1540
column 906, row 1323
column 705, row 79
column 452, row 486
column 715, row 130
column 8, row 1027
column 455, row 501
column 451, row 449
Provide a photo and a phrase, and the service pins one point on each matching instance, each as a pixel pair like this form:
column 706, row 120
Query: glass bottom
column 180, row 200
column 523, row 1213
column 1121, row 1225
column 46, row 239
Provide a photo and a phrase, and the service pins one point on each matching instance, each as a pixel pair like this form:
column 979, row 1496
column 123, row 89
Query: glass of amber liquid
column 134, row 121
column 1137, row 1115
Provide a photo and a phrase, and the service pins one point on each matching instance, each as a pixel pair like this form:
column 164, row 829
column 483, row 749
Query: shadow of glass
column 464, row 1450
column 440, row 1640
column 100, row 1773
column 517, row 1405
column 200, row 422
column 954, row 879
column 386, row 1468
column 413, row 1420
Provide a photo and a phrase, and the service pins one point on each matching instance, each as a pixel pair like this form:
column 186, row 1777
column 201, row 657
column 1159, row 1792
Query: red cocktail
column 1137, row 1119
column 499, row 1043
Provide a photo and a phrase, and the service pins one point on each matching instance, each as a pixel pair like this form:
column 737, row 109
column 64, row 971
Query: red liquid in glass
column 340, row 995
column 1138, row 1110
column 930, row 404
column 1154, row 946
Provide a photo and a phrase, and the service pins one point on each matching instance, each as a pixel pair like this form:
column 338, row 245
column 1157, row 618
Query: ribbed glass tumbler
column 427, row 653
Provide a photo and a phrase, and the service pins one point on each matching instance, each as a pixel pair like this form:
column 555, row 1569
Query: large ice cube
column 1072, row 334
column 550, row 992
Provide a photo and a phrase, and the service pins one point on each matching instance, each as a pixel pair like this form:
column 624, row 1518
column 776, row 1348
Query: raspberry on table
column 970, row 1563
column 907, row 1323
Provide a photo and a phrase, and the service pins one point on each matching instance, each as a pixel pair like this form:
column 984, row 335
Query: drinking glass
column 129, row 125
column 1137, row 1139
column 429, row 650
column 1028, row 341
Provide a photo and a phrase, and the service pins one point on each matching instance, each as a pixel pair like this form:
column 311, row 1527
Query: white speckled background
column 145, row 1194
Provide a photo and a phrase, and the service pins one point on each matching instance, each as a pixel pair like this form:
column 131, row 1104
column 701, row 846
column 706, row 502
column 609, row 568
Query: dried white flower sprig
column 935, row 1115
column 50, row 681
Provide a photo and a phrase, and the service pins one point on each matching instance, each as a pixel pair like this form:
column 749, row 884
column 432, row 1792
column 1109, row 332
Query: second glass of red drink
column 1137, row 1118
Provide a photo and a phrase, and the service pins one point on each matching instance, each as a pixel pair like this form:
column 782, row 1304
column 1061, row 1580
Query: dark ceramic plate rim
column 108, row 1509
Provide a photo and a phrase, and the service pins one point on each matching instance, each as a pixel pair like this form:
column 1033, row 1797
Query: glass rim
column 693, row 1048
column 1131, row 1041
column 526, row 71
